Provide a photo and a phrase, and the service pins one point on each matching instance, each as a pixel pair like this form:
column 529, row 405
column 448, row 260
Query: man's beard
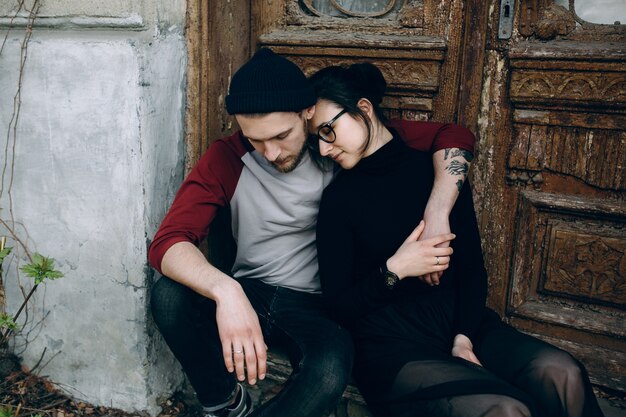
column 295, row 160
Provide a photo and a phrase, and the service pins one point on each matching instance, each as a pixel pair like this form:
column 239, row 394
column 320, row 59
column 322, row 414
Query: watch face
column 391, row 280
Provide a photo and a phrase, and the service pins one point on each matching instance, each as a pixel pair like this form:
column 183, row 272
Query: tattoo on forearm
column 457, row 168
column 454, row 152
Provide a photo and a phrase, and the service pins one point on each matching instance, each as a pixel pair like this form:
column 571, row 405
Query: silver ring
column 437, row 259
column 237, row 351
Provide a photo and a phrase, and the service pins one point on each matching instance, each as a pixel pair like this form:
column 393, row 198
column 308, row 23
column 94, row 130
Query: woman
column 421, row 349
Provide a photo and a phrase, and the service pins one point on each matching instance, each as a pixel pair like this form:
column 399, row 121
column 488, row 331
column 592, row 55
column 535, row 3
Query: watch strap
column 391, row 278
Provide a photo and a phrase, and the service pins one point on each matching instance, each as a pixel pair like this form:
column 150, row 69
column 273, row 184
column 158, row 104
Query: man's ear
column 366, row 107
column 309, row 112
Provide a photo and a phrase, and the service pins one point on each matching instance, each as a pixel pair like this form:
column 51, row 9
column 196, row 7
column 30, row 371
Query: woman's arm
column 350, row 296
column 415, row 258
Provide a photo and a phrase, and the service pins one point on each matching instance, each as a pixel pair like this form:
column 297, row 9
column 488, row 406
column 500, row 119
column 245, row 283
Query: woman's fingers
column 439, row 239
column 424, row 259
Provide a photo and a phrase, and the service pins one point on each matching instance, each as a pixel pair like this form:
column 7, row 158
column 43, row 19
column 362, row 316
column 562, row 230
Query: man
column 218, row 325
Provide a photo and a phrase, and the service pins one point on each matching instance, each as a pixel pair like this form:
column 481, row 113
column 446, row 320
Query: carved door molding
column 412, row 42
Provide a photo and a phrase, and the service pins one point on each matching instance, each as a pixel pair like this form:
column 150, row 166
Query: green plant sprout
column 7, row 322
column 40, row 268
column 4, row 252
column 8, row 412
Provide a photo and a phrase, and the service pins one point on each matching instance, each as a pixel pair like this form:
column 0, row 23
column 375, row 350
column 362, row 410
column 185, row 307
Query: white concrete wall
column 97, row 159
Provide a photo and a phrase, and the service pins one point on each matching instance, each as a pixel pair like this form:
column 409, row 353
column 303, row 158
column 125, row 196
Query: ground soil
column 23, row 394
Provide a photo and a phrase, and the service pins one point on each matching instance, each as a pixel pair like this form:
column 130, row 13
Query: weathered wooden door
column 549, row 114
column 422, row 47
column 551, row 177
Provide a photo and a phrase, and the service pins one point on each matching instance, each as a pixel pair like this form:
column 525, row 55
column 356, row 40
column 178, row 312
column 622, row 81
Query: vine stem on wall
column 8, row 167
column 17, row 104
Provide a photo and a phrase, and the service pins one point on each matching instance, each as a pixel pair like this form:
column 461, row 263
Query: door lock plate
column 505, row 27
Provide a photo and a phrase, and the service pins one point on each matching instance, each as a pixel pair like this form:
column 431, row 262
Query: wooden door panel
column 561, row 149
column 585, row 146
column 568, row 278
column 417, row 45
column 569, row 263
column 411, row 69
column 568, row 115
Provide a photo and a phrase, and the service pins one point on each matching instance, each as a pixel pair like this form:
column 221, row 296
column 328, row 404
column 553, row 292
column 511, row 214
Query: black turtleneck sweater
column 365, row 215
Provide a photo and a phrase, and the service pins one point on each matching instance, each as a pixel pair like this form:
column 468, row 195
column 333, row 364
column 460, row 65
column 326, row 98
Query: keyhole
column 506, row 18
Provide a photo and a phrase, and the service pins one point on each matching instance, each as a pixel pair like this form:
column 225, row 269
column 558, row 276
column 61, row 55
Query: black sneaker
column 241, row 408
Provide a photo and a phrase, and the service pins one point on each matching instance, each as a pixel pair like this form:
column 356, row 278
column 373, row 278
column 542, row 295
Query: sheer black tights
column 557, row 383
column 423, row 388
column 551, row 381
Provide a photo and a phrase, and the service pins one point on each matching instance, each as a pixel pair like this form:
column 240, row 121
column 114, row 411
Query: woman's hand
column 415, row 258
column 463, row 348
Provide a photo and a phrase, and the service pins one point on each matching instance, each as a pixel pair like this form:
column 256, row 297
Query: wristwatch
column 391, row 279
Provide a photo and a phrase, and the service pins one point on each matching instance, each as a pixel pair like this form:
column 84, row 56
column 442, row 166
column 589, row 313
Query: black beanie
column 269, row 83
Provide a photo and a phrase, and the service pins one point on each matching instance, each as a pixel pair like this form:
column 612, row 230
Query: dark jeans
column 320, row 351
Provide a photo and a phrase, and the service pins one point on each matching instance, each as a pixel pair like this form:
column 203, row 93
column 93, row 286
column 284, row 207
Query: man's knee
column 330, row 366
column 168, row 302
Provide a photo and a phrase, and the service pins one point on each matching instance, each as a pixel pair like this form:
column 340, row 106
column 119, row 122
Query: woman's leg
column 456, row 388
column 477, row 405
column 556, row 381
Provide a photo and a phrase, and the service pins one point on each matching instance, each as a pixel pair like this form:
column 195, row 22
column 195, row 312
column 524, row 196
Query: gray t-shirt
column 274, row 216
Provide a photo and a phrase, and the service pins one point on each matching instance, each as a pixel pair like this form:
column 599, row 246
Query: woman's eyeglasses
column 325, row 132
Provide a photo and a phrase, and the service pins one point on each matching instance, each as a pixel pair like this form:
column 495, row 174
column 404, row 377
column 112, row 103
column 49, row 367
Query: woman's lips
column 336, row 156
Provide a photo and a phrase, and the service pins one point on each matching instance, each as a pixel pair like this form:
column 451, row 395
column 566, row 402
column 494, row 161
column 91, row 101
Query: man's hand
column 243, row 346
column 463, row 348
column 414, row 258
column 435, row 226
column 242, row 341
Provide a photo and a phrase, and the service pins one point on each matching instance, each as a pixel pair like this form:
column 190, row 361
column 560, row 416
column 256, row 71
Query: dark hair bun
column 370, row 79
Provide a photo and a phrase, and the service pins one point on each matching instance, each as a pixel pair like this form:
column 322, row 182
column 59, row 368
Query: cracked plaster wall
column 98, row 157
